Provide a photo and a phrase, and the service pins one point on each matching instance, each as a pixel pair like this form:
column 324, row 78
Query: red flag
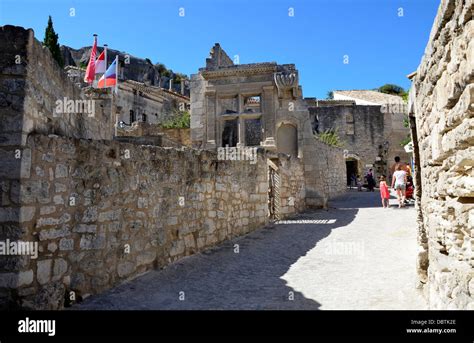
column 90, row 71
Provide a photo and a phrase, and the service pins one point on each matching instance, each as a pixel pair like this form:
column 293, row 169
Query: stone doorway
column 273, row 193
column 352, row 168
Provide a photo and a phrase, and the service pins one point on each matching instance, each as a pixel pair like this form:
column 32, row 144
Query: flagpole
column 116, row 73
column 114, row 98
column 95, row 40
column 105, row 56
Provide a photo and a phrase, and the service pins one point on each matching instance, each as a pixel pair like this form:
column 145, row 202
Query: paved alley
column 355, row 256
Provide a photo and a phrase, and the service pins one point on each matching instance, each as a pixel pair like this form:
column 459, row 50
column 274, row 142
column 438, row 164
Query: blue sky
column 382, row 46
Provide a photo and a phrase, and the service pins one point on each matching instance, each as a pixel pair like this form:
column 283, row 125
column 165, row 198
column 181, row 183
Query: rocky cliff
column 138, row 69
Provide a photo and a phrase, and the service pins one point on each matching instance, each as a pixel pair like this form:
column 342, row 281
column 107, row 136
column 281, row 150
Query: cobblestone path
column 357, row 255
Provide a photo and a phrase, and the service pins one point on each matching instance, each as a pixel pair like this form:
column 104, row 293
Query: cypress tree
column 51, row 41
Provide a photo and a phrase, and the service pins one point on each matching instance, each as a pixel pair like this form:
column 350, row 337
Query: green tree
column 161, row 68
column 391, row 89
column 178, row 77
column 330, row 95
column 51, row 41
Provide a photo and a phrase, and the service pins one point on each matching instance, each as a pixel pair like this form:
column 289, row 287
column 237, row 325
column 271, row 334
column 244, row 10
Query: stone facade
column 260, row 104
column 136, row 101
column 371, row 137
column 441, row 107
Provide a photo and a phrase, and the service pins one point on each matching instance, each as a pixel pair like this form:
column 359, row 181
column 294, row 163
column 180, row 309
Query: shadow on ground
column 220, row 278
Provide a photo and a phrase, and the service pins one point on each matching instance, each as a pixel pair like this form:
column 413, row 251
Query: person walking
column 399, row 180
column 384, row 192
column 370, row 181
column 397, row 163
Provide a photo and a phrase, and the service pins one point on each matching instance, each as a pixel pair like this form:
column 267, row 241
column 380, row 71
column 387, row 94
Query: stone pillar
column 241, row 128
column 268, row 117
column 211, row 117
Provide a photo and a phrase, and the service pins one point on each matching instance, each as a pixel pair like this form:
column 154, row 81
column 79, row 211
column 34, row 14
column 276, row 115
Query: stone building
column 137, row 101
column 442, row 122
column 371, row 125
column 261, row 104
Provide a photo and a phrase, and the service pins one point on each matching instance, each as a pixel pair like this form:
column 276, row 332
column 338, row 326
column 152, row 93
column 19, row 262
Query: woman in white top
column 399, row 179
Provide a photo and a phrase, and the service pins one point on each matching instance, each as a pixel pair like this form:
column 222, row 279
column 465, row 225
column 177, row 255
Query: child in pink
column 384, row 192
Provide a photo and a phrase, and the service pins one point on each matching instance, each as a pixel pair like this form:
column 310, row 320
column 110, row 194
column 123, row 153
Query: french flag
column 109, row 79
column 100, row 63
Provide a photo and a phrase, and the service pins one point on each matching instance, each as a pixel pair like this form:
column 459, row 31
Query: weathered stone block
column 124, row 269
column 25, row 278
column 46, row 234
column 43, row 271
column 66, row 244
column 91, row 241
column 82, row 228
column 59, row 269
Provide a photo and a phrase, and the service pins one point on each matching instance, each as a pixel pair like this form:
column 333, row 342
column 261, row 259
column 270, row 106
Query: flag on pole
column 90, row 71
column 109, row 79
column 100, row 63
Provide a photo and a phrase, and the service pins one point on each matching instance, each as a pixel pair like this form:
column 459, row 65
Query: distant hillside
column 139, row 69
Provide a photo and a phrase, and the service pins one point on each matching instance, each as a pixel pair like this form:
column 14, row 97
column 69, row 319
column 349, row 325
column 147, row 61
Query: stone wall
column 367, row 133
column 325, row 173
column 181, row 136
column 105, row 211
column 442, row 98
column 45, row 84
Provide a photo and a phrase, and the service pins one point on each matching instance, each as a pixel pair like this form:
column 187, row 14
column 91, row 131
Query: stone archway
column 287, row 139
column 353, row 166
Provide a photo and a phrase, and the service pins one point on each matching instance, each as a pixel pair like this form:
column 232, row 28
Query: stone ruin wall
column 370, row 129
column 41, row 83
column 442, row 98
column 85, row 202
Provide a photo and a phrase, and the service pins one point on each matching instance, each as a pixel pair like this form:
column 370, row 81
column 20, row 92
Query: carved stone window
column 229, row 105
column 252, row 104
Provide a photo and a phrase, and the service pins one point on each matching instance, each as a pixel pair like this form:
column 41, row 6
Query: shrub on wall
column 330, row 137
column 180, row 120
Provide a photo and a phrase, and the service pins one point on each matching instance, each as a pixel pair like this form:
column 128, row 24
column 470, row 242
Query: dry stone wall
column 104, row 211
column 442, row 98
column 28, row 67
